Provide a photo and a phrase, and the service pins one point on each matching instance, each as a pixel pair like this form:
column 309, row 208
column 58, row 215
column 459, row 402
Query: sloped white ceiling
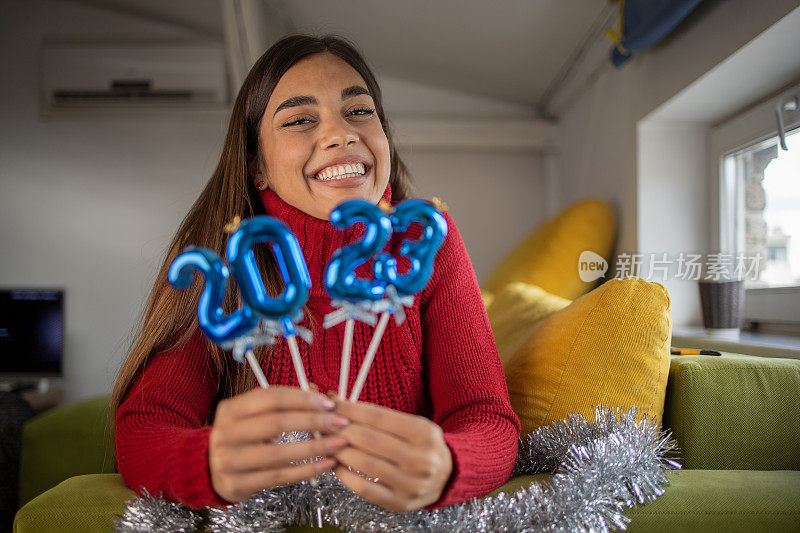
column 504, row 49
column 510, row 49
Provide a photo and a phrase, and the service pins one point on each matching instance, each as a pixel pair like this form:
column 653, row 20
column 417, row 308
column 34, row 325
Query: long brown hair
column 169, row 316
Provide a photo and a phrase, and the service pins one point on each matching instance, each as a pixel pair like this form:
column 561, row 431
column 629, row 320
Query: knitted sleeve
column 161, row 440
column 467, row 386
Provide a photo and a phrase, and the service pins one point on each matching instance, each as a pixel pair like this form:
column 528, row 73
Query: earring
column 260, row 183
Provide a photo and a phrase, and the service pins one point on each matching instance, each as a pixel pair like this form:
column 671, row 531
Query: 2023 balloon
column 421, row 252
column 219, row 327
column 258, row 304
column 341, row 281
column 283, row 308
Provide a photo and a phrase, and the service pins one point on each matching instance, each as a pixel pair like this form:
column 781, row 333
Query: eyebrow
column 294, row 101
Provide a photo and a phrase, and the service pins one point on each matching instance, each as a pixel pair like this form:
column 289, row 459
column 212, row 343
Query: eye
column 363, row 111
column 298, row 122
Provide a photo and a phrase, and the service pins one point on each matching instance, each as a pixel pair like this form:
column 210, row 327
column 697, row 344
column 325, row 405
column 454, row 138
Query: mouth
column 342, row 171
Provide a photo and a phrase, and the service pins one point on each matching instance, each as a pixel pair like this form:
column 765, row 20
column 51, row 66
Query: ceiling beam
column 580, row 64
column 249, row 28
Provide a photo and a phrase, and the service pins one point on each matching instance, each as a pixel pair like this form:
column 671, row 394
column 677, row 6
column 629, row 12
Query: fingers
column 387, row 447
column 268, row 456
column 375, row 467
column 277, row 398
column 249, row 484
column 269, row 426
column 369, row 490
column 401, row 425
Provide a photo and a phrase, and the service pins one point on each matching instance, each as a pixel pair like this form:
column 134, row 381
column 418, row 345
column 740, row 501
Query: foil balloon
column 278, row 314
column 354, row 298
column 340, row 277
column 421, row 252
column 287, row 306
column 400, row 288
column 220, row 328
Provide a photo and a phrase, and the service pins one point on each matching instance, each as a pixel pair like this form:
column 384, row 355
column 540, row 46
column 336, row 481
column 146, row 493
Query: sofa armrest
column 81, row 503
column 735, row 412
column 64, row 442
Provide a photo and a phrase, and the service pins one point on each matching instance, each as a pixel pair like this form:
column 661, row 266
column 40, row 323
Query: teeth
column 341, row 172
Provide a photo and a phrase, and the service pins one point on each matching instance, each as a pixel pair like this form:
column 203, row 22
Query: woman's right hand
column 241, row 455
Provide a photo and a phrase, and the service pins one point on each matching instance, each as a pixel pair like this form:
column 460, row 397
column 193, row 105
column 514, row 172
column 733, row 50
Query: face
column 321, row 139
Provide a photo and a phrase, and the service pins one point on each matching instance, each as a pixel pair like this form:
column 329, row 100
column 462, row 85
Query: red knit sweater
column 441, row 362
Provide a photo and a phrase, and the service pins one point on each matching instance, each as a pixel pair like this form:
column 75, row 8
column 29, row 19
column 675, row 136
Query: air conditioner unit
column 132, row 74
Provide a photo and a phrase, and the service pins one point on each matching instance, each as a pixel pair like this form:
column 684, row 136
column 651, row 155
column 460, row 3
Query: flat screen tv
column 31, row 332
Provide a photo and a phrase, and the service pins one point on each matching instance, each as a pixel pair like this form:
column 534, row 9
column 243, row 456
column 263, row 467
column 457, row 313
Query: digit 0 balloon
column 291, row 266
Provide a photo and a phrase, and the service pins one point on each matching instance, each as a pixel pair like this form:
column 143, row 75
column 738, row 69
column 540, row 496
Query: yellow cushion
column 515, row 313
column 549, row 256
column 488, row 298
column 609, row 347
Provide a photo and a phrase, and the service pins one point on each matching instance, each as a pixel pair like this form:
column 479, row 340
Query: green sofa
column 736, row 419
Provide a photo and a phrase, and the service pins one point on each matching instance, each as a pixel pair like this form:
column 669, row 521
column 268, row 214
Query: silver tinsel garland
column 600, row 469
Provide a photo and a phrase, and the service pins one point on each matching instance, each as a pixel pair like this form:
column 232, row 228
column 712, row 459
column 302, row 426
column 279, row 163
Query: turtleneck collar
column 318, row 238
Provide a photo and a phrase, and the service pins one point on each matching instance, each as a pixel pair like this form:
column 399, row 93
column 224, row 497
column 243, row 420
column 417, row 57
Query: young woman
column 434, row 426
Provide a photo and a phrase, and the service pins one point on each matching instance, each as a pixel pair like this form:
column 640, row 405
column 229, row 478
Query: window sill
column 749, row 343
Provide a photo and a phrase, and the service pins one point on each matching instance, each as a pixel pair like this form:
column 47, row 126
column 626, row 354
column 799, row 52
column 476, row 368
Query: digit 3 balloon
column 400, row 288
column 352, row 295
column 281, row 313
column 421, row 252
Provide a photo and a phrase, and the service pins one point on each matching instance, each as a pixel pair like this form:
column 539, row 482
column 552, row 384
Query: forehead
column 313, row 76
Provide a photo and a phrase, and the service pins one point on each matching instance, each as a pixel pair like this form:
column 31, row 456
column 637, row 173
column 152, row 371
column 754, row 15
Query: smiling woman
column 435, row 425
column 321, row 140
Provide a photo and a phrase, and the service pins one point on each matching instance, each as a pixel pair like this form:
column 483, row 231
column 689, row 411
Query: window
column 763, row 185
column 758, row 186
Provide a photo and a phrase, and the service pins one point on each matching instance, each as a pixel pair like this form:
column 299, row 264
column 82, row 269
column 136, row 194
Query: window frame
column 748, row 127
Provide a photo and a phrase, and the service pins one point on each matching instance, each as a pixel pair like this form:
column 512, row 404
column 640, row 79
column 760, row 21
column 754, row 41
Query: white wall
column 89, row 203
column 494, row 198
column 599, row 141
column 673, row 205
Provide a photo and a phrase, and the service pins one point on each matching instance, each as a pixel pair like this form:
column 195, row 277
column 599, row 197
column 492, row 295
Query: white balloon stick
column 253, row 362
column 347, row 346
column 372, row 349
column 297, row 361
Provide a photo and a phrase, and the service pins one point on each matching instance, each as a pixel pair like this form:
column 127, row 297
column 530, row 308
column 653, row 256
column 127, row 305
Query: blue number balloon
column 340, row 277
column 219, row 328
column 291, row 263
column 421, row 252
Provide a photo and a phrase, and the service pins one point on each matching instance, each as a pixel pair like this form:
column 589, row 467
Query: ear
column 260, row 182
column 260, row 179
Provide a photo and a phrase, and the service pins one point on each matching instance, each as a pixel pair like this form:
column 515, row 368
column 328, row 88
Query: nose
column 337, row 132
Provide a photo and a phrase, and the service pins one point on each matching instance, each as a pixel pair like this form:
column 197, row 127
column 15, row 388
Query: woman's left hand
column 406, row 453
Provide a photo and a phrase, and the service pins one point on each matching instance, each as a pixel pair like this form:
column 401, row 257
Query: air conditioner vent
column 95, row 74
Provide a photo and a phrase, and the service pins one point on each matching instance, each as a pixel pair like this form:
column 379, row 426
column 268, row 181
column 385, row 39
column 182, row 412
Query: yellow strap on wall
column 616, row 35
